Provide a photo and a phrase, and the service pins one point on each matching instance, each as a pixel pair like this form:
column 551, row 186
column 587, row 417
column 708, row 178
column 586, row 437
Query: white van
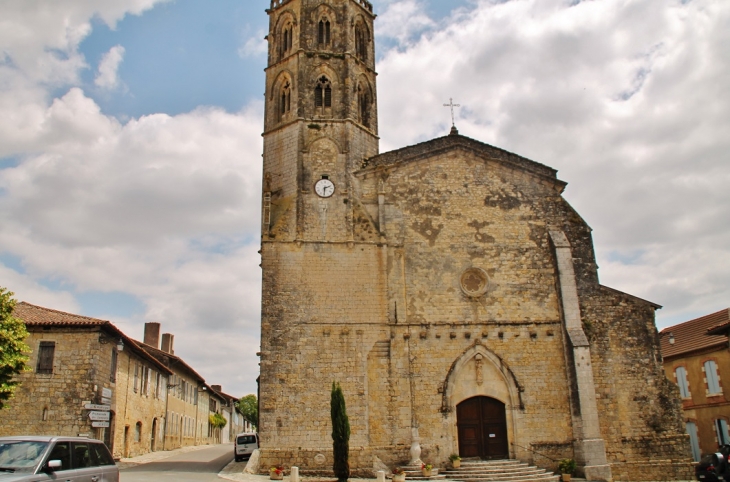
column 244, row 445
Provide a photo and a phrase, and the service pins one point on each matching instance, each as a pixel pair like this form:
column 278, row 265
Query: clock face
column 324, row 188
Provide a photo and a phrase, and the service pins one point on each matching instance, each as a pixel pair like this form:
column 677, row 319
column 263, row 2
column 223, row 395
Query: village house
column 88, row 378
column 697, row 359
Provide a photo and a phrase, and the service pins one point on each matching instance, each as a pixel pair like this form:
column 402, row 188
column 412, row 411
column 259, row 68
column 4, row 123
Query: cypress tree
column 340, row 434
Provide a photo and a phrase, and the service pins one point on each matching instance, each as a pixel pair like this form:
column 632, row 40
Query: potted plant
column 566, row 467
column 426, row 470
column 455, row 460
column 399, row 475
column 276, row 473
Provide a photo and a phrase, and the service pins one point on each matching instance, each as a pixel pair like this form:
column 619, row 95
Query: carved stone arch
column 326, row 70
column 325, row 89
column 282, row 97
column 283, row 76
column 326, row 25
column 498, row 380
column 285, row 33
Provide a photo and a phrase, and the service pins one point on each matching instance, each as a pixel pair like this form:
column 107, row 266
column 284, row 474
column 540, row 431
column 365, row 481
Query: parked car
column 244, row 445
column 37, row 459
column 705, row 469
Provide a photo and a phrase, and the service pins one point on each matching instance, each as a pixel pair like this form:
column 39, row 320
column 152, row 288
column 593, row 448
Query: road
column 200, row 466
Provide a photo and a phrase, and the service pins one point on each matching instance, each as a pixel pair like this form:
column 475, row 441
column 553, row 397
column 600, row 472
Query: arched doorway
column 153, row 435
column 482, row 427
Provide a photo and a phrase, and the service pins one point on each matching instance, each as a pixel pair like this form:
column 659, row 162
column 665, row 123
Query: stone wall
column 80, row 367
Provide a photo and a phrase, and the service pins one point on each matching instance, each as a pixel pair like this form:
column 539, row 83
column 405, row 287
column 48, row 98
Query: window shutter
column 713, row 383
column 681, row 374
column 328, row 96
column 46, row 350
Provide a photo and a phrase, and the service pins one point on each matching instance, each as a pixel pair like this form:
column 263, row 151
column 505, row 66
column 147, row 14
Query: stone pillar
column 294, row 474
column 589, row 447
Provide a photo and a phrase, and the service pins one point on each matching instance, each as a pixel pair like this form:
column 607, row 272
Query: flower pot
column 426, row 473
column 456, row 463
column 399, row 477
column 566, row 477
column 275, row 476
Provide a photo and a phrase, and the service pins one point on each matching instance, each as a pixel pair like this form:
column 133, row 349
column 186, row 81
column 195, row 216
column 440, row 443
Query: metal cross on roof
column 452, row 105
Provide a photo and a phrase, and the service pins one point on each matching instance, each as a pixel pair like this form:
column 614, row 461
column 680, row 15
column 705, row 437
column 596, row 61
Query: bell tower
column 320, row 119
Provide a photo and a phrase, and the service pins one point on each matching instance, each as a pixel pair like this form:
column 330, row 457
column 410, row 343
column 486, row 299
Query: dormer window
column 323, row 93
column 323, row 33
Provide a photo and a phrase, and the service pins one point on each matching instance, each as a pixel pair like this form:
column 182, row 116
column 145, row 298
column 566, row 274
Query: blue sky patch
column 102, row 305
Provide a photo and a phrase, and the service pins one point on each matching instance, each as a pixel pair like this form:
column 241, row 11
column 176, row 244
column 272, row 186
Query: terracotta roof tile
column 34, row 315
column 37, row 316
column 692, row 335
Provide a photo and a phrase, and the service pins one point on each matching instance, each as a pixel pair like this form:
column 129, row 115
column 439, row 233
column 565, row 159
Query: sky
column 130, row 146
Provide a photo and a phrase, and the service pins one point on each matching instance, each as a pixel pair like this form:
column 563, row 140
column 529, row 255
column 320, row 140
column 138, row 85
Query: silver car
column 35, row 459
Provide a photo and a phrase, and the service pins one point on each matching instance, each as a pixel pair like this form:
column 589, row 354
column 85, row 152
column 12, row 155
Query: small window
column 681, row 374
column 323, row 34
column 721, row 429
column 323, row 93
column 136, row 378
column 287, row 37
column 713, row 380
column 362, row 38
column 138, row 432
column 113, row 372
column 46, row 350
column 364, row 105
column 694, row 440
column 285, row 100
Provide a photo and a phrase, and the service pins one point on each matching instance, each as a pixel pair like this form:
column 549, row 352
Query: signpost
column 106, row 392
column 100, row 424
column 94, row 406
column 99, row 416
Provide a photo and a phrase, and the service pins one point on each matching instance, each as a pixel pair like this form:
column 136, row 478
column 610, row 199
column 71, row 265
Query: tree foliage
column 249, row 408
column 217, row 420
column 340, row 434
column 13, row 350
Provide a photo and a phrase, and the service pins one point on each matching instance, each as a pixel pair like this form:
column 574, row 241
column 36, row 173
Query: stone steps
column 498, row 471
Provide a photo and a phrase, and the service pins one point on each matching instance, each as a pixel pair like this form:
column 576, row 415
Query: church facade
column 447, row 286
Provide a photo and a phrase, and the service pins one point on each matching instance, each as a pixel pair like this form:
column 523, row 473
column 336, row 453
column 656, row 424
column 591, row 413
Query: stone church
column 447, row 286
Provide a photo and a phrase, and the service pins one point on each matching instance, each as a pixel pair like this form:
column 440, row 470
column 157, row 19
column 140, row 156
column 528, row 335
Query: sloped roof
column 171, row 359
column 452, row 141
column 37, row 317
column 692, row 336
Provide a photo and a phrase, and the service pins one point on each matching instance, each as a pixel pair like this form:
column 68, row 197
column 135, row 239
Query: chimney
column 167, row 341
column 152, row 335
column 217, row 388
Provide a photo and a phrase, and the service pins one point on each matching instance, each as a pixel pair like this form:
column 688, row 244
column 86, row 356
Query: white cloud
column 626, row 99
column 106, row 77
column 254, row 46
column 402, row 20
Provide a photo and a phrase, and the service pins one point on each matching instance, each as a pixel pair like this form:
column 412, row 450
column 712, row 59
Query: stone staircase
column 413, row 472
column 495, row 470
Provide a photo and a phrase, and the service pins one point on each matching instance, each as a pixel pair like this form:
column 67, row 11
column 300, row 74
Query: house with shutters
column 88, row 378
column 697, row 358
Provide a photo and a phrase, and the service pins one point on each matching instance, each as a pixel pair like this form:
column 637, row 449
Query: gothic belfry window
column 323, row 94
column 285, row 100
column 323, row 34
column 361, row 41
column 286, row 39
column 364, row 101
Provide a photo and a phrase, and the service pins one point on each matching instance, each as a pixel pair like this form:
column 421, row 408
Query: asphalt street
column 200, row 465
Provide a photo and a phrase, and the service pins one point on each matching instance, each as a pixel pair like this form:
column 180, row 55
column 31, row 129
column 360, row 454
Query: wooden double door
column 482, row 425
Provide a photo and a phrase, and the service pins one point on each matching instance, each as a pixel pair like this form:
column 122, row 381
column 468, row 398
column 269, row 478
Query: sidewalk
column 155, row 456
